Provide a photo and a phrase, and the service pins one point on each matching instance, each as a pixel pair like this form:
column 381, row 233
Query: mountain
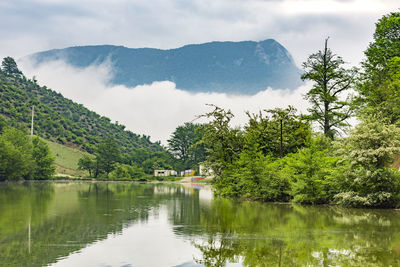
column 230, row 67
column 62, row 120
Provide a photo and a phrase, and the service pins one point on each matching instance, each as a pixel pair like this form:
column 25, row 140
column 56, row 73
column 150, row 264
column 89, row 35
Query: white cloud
column 300, row 25
column 155, row 109
column 334, row 6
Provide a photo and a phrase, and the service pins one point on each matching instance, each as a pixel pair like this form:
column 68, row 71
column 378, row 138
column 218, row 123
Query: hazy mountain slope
column 232, row 67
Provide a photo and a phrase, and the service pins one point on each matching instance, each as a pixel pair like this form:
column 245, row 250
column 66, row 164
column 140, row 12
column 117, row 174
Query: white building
column 164, row 173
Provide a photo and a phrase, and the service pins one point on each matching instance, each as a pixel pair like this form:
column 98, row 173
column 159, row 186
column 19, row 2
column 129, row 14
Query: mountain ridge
column 245, row 67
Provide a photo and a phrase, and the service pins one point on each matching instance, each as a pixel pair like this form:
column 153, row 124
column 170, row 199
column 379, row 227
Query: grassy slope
column 66, row 159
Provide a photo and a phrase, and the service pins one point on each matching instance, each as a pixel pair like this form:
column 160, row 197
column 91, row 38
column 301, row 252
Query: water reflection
column 118, row 224
column 291, row 235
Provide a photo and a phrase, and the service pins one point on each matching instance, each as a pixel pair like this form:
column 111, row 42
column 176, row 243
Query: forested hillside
column 60, row 119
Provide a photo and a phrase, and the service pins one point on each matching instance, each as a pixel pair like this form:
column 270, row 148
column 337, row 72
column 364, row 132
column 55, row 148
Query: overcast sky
column 29, row 26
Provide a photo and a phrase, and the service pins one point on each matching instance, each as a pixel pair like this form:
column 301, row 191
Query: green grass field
column 66, row 158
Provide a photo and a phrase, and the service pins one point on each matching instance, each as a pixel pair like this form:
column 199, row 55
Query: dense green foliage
column 15, row 155
column 379, row 88
column 366, row 179
column 278, row 133
column 128, row 172
column 109, row 164
column 23, row 157
column 310, row 172
column 353, row 171
column 245, row 161
column 43, row 160
column 223, row 144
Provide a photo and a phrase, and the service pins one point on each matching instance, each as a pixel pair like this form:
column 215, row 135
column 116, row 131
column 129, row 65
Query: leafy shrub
column 367, row 179
column 127, row 172
column 309, row 172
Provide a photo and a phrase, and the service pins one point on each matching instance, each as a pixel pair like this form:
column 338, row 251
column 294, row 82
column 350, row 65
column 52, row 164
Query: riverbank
column 170, row 179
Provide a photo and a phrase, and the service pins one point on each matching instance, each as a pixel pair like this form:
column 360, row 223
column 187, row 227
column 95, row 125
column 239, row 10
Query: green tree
column 184, row 144
column 254, row 176
column 9, row 67
column 331, row 82
column 88, row 164
column 128, row 172
column 310, row 172
column 107, row 155
column 379, row 88
column 367, row 179
column 386, row 45
column 43, row 161
column 223, row 143
column 15, row 155
column 278, row 133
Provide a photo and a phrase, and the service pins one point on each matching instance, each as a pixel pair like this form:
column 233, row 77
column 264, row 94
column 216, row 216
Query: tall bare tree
column 331, row 105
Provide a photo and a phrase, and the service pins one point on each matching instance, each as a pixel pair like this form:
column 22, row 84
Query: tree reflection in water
column 260, row 234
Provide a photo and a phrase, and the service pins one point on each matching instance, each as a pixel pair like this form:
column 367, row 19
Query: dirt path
column 186, row 180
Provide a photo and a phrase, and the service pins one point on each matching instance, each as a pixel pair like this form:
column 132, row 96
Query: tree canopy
column 379, row 88
column 367, row 178
column 278, row 132
column 107, row 155
column 223, row 143
column 23, row 157
column 9, row 67
column 184, row 144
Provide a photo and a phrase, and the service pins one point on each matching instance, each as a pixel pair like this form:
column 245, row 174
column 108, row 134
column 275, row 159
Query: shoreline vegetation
column 278, row 156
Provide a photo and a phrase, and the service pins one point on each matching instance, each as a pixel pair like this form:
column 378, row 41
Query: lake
column 133, row 224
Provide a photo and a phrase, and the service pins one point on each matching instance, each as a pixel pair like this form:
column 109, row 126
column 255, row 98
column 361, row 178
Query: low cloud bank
column 155, row 109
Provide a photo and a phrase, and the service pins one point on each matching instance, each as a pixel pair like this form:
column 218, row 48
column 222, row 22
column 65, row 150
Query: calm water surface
column 130, row 224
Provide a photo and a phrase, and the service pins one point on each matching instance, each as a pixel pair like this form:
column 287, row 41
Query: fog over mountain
column 226, row 67
column 155, row 109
